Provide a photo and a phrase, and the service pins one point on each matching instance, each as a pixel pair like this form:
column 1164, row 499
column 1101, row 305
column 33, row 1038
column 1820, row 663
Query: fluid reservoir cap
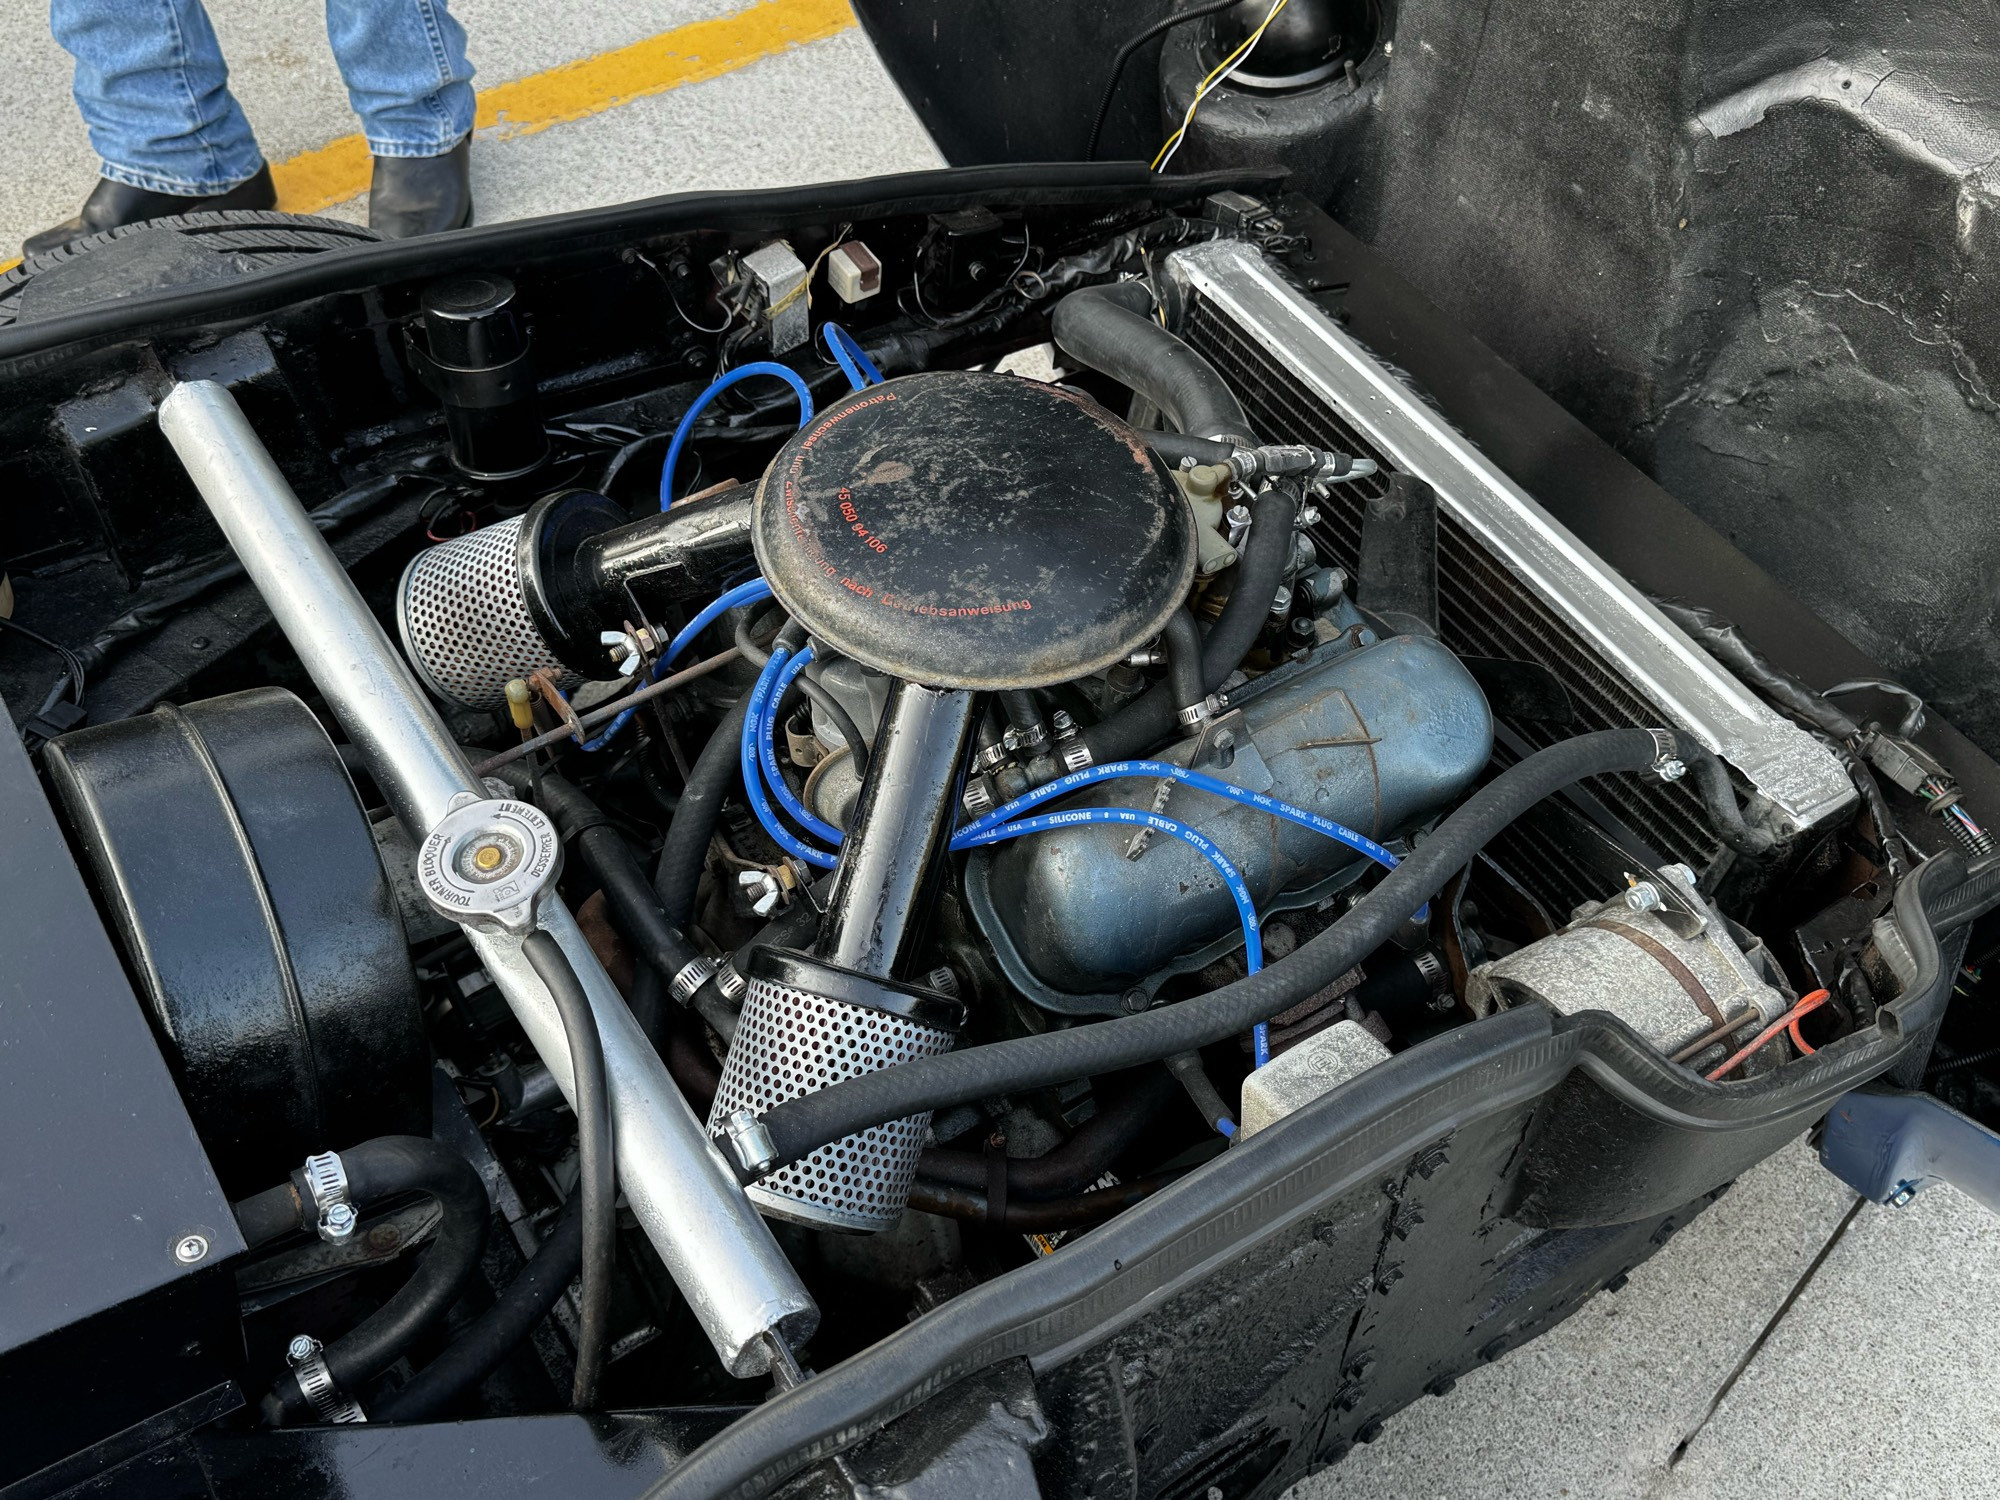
column 971, row 530
column 487, row 864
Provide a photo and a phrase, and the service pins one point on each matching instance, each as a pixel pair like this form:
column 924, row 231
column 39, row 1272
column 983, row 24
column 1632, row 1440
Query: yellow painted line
column 694, row 53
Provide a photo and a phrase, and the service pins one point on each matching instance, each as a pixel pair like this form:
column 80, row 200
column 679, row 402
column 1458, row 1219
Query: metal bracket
column 1888, row 1147
column 326, row 1180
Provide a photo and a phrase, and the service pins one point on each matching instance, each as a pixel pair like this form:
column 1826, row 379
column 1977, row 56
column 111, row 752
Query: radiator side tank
column 1379, row 738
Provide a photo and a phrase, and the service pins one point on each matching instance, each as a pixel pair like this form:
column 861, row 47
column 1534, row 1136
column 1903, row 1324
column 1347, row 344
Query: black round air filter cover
column 239, row 873
column 971, row 530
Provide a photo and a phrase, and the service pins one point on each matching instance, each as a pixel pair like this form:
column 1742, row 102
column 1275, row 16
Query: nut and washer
column 690, row 977
column 1645, row 896
column 488, row 865
column 326, row 1180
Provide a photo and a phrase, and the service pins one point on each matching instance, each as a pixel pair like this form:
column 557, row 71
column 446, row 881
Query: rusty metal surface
column 971, row 530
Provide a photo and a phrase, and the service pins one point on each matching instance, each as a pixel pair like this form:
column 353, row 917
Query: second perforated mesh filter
column 791, row 1041
column 464, row 619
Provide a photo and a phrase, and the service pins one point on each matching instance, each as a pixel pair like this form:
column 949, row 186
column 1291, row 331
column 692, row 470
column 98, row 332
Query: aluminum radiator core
column 1514, row 582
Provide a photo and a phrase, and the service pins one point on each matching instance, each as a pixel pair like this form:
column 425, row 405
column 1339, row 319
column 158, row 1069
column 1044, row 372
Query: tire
column 158, row 254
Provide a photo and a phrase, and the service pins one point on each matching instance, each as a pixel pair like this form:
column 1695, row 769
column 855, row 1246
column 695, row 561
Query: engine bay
column 685, row 812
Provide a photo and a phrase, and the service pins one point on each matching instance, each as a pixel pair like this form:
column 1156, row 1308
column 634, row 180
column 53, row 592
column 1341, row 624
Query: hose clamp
column 326, row 1180
column 691, row 976
column 749, row 1142
column 1667, row 764
column 306, row 1355
column 1194, row 718
column 731, row 983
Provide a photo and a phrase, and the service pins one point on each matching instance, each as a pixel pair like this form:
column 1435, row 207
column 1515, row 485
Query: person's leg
column 153, row 88
column 409, row 80
column 154, row 91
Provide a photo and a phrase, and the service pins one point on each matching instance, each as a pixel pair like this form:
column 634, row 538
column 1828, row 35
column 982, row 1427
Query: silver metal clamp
column 690, row 977
column 326, row 1180
column 306, row 1355
column 749, row 1142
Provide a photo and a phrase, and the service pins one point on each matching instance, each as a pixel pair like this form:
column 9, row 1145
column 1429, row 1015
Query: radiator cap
column 971, row 530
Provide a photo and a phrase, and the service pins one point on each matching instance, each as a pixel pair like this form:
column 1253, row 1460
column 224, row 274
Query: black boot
column 415, row 195
column 114, row 204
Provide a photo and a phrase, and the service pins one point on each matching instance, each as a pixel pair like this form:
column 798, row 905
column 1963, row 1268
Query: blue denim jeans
column 154, row 89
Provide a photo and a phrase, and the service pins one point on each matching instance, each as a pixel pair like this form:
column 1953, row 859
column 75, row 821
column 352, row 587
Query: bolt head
column 302, row 1348
column 1645, row 896
column 1135, row 1000
column 191, row 1248
column 339, row 1221
column 1672, row 770
column 1905, row 1191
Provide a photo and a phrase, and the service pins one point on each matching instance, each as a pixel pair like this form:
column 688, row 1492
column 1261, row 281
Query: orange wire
column 1788, row 1021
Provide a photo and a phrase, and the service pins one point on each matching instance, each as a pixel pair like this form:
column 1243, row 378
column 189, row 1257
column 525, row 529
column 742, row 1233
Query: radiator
column 1513, row 583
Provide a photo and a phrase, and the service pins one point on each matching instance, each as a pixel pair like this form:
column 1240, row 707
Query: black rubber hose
column 834, row 709
column 1111, row 329
column 1024, row 717
column 1175, row 446
column 1149, row 718
column 1725, row 816
column 597, row 1183
column 497, row 1332
column 684, row 854
column 1185, row 677
column 1091, row 1150
column 1080, row 1211
column 389, row 1167
column 803, row 1125
column 635, row 906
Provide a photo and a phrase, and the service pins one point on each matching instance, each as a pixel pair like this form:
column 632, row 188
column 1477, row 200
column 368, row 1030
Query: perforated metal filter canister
column 807, row 1025
column 463, row 617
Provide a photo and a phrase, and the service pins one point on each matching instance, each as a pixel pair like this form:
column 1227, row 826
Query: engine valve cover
column 1378, row 739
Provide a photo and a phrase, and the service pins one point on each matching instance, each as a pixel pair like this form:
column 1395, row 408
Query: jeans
column 154, row 89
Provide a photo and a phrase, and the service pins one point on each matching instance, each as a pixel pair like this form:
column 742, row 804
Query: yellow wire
column 1202, row 88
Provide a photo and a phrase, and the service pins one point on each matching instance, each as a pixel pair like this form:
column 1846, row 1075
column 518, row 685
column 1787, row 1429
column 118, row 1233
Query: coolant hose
column 1110, row 328
column 1149, row 718
column 597, row 1181
column 1073, row 1166
column 1178, row 447
column 497, row 1332
column 684, row 854
column 1185, row 678
column 386, row 1167
column 635, row 906
column 1725, row 815
column 801, row 1126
